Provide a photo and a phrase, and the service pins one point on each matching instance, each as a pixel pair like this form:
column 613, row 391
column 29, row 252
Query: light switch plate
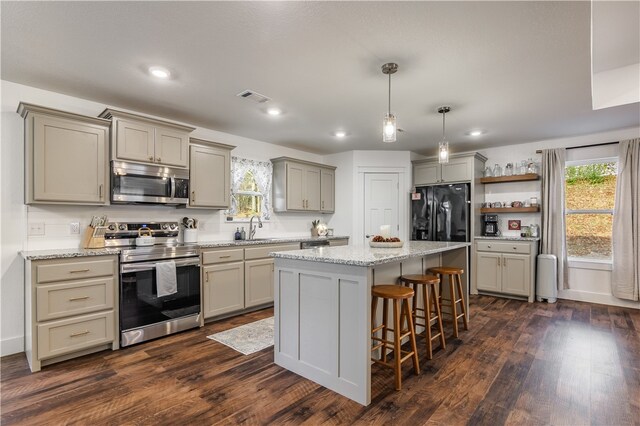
column 74, row 227
column 36, row 228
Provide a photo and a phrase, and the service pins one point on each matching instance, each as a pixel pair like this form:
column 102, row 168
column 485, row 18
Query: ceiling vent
column 254, row 96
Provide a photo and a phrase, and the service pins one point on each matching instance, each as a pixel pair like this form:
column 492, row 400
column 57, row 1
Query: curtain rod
column 585, row 146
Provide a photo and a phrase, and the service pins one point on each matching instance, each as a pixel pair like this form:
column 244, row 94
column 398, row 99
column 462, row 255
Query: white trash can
column 547, row 278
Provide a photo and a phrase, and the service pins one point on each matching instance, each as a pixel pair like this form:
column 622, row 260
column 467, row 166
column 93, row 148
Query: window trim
column 587, row 262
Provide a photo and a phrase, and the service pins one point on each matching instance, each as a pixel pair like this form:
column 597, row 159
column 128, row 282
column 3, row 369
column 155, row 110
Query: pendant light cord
column 389, row 93
column 443, row 117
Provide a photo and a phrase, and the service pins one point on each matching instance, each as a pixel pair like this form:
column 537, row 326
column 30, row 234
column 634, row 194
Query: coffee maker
column 490, row 225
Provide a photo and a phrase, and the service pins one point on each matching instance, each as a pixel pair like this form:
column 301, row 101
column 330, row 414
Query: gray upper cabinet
column 298, row 186
column 460, row 168
column 209, row 174
column 327, row 190
column 66, row 157
column 146, row 140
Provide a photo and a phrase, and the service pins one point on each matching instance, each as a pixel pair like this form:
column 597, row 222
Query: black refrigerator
column 441, row 213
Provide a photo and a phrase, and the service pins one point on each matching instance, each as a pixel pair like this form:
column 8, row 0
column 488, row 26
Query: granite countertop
column 357, row 255
column 78, row 252
column 509, row 238
column 232, row 243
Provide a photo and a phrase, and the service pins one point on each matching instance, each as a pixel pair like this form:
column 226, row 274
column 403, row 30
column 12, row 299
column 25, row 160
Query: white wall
column 352, row 166
column 588, row 282
column 56, row 219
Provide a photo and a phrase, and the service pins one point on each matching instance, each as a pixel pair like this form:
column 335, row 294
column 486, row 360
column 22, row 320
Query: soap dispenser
column 237, row 236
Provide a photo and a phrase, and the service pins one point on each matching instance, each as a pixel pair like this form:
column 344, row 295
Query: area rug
column 248, row 338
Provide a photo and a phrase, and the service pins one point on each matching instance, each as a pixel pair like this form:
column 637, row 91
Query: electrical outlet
column 74, row 227
column 36, row 228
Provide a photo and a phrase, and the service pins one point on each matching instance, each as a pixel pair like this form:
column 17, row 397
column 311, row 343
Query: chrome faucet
column 252, row 229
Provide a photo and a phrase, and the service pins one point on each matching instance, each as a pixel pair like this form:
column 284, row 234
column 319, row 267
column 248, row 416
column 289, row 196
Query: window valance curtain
column 553, row 238
column 262, row 172
column 625, row 276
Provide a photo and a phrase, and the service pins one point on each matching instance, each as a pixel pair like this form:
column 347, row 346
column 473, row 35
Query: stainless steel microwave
column 133, row 183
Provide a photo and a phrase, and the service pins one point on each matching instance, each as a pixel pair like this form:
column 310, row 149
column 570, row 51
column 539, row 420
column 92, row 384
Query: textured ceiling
column 518, row 70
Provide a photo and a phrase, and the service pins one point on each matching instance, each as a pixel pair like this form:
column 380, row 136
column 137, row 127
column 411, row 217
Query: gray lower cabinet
column 258, row 275
column 235, row 279
column 70, row 308
column 222, row 281
column 505, row 267
column 66, row 157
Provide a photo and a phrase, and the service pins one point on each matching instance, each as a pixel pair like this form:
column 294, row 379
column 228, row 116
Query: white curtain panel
column 625, row 277
column 553, row 238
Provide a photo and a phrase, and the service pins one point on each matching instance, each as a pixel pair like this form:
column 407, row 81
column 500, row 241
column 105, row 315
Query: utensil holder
column 93, row 237
column 190, row 236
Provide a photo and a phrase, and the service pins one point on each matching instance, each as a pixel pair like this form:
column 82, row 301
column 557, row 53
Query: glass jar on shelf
column 522, row 169
column 497, row 170
column 508, row 170
column 488, row 172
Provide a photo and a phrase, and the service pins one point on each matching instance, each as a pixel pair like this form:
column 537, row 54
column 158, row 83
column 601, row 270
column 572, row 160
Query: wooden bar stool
column 400, row 296
column 430, row 310
column 455, row 280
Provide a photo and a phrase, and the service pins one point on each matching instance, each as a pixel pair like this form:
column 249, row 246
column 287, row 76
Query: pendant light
column 389, row 127
column 443, row 146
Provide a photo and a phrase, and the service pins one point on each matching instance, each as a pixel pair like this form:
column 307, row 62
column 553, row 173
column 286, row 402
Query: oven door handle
column 149, row 266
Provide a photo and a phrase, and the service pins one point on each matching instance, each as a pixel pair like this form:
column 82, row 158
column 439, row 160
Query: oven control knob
column 122, row 227
column 112, row 227
column 173, row 226
column 165, row 226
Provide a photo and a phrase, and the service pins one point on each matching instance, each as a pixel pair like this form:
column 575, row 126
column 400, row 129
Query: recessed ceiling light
column 476, row 133
column 159, row 72
column 274, row 111
column 340, row 134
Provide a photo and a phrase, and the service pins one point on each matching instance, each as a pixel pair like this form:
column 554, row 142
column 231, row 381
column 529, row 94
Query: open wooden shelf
column 514, row 178
column 535, row 209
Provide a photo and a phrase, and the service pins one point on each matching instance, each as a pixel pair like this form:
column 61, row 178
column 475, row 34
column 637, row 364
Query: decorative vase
column 314, row 231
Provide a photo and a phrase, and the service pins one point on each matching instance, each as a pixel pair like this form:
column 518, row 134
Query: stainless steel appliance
column 441, row 213
column 143, row 314
column 490, row 225
column 138, row 183
column 315, row 243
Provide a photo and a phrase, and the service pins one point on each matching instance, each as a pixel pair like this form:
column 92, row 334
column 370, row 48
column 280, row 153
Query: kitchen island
column 323, row 306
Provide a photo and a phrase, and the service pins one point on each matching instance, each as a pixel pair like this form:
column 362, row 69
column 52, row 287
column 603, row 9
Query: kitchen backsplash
column 53, row 223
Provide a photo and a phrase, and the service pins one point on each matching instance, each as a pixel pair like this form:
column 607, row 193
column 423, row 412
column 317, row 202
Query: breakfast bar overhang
column 323, row 306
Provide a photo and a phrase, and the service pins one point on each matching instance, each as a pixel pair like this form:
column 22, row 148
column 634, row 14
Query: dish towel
column 166, row 280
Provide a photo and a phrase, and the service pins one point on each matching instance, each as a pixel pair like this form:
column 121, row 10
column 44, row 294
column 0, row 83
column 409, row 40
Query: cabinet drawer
column 74, row 334
column 79, row 297
column 503, row 247
column 263, row 251
column 339, row 242
column 220, row 256
column 59, row 271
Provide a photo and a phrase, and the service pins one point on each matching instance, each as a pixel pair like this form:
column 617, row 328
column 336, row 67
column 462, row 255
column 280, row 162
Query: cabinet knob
column 151, row 158
column 488, row 246
column 158, row 159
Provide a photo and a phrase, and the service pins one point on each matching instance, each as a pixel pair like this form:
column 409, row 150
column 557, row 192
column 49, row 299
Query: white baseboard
column 12, row 345
column 600, row 298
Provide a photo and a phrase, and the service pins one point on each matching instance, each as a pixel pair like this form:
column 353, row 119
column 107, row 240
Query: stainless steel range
column 145, row 315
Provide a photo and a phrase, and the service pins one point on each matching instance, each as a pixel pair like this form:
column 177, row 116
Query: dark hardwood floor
column 568, row 363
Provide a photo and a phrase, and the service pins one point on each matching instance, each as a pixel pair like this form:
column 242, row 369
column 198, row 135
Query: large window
column 250, row 189
column 590, row 192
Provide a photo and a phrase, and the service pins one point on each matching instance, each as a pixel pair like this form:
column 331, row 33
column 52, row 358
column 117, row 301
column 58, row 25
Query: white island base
column 323, row 308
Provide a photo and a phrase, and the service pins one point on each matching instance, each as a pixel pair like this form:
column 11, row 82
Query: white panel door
column 381, row 195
